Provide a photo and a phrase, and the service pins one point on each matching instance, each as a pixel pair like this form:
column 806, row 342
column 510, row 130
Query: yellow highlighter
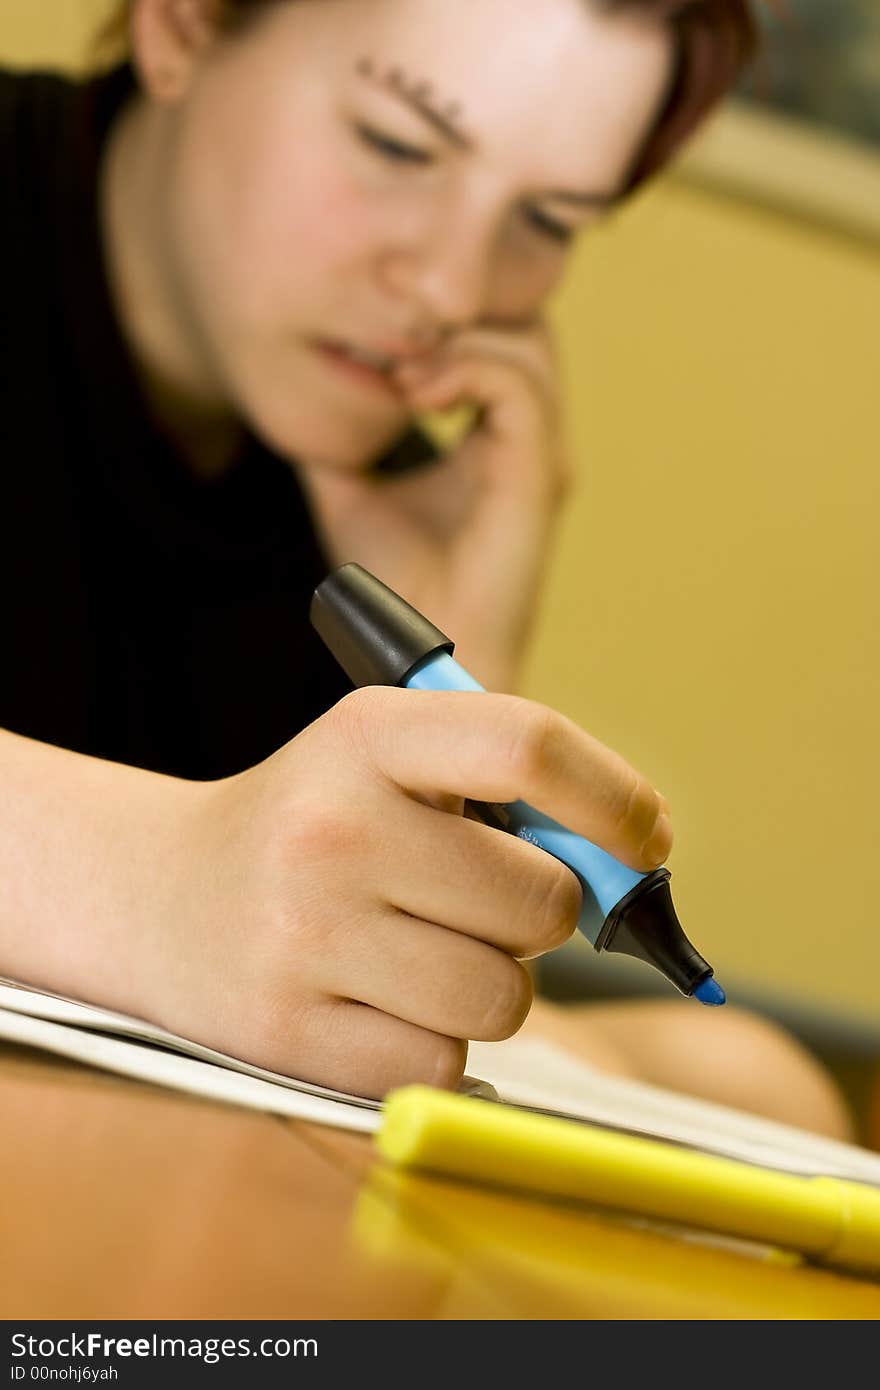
column 447, row 428
column 831, row 1220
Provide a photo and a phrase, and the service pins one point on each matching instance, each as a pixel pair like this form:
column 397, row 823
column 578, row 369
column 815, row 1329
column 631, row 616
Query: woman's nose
column 447, row 277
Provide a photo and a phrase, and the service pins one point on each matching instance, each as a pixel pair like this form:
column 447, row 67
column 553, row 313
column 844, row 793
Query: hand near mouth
column 467, row 540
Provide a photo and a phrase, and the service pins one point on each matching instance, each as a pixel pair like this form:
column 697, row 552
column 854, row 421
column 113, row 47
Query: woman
column 240, row 269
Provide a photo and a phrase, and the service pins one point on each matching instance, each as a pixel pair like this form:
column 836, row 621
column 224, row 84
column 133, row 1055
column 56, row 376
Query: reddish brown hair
column 715, row 41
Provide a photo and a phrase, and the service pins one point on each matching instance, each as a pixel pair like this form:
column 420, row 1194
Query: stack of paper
column 527, row 1073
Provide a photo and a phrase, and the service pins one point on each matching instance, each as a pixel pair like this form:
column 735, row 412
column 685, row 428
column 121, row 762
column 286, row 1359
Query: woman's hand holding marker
column 332, row 915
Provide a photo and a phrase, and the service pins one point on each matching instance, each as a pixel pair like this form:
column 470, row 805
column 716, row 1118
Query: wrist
column 90, row 853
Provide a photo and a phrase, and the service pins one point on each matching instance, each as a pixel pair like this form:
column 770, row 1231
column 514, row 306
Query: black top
column 146, row 615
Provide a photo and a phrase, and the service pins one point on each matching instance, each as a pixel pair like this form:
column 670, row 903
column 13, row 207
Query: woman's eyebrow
column 416, row 96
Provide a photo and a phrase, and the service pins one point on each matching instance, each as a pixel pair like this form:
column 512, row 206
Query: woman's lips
column 336, row 357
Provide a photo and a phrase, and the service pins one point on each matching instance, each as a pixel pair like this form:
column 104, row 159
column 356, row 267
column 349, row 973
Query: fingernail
column 656, row 849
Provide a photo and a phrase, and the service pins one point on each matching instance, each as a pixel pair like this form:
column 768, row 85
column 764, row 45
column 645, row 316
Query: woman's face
column 377, row 174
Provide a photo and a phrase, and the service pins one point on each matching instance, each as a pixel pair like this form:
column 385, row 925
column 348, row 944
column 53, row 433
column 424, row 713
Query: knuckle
column 322, row 833
column 557, row 909
column 511, row 1000
column 637, row 808
column 532, row 736
column 355, row 715
column 272, row 1028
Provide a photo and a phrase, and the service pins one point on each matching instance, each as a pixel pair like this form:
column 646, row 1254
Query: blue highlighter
column 379, row 639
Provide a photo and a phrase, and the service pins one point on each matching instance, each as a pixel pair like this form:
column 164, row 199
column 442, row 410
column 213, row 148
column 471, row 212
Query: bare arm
column 90, row 852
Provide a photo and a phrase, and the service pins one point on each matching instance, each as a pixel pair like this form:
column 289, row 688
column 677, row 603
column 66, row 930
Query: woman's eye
column 393, row 149
column 557, row 230
column 399, row 153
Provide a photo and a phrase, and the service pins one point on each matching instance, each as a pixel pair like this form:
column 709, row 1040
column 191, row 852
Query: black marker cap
column 644, row 925
column 374, row 634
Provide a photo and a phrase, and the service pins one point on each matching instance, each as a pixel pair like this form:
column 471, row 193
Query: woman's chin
column 333, row 439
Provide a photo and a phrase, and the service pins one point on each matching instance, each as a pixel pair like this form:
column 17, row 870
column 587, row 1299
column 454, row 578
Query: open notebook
column 523, row 1072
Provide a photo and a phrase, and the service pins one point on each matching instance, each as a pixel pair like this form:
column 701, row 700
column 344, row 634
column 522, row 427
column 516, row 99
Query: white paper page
column 540, row 1075
column 185, row 1073
column 58, row 1009
column 524, row 1072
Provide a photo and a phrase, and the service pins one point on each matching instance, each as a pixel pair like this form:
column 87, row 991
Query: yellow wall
column 713, row 611
column 50, row 32
column 713, row 608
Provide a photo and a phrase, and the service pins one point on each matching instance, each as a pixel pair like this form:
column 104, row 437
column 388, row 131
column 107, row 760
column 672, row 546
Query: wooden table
column 121, row 1200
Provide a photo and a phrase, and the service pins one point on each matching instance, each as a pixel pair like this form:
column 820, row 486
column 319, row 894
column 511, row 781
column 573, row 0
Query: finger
column 362, row 1051
column 510, row 409
column 518, row 358
column 501, row 748
column 474, row 879
column 513, row 410
column 428, row 975
column 530, row 347
column 505, row 369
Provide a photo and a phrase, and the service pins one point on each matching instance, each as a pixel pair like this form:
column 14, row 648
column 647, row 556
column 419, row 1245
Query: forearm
column 90, row 852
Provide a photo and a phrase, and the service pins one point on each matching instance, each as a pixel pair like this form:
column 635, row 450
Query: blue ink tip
column 709, row 992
